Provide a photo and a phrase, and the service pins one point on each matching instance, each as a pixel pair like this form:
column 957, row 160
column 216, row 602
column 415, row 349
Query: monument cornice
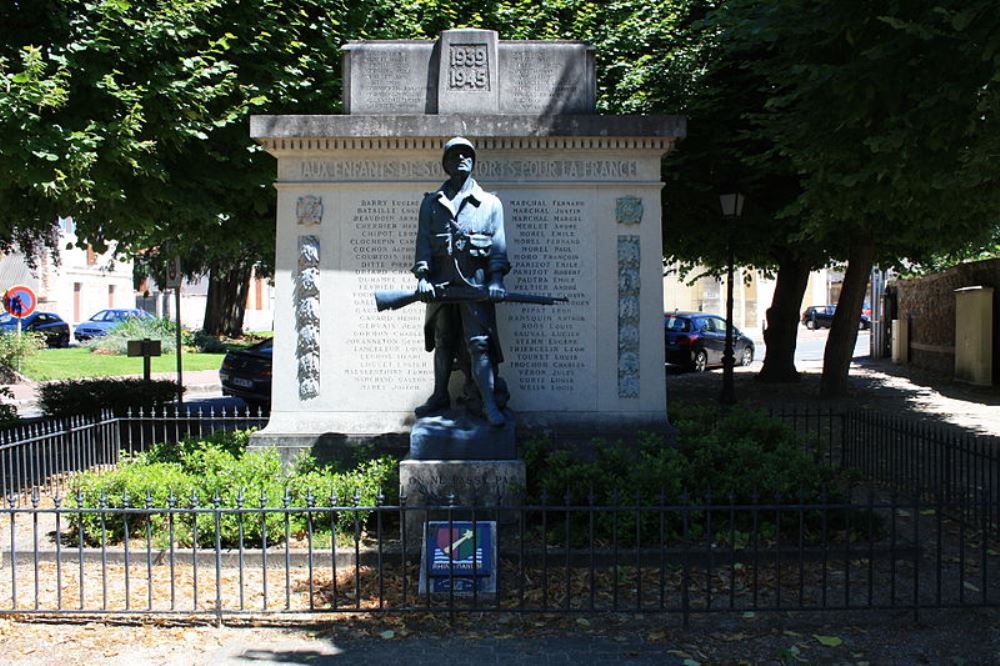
column 496, row 126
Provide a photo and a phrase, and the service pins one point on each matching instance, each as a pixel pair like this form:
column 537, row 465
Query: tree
column 888, row 113
column 723, row 150
column 131, row 116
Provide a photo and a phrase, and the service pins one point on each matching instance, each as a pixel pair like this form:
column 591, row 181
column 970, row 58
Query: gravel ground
column 949, row 638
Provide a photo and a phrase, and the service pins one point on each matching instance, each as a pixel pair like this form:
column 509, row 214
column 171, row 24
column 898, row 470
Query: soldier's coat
column 461, row 241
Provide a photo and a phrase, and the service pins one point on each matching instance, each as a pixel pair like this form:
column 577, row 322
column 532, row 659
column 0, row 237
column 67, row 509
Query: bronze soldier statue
column 461, row 244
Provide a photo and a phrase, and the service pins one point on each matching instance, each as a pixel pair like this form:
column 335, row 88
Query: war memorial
column 579, row 196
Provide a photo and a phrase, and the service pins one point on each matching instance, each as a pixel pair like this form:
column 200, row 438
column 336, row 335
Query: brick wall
column 929, row 305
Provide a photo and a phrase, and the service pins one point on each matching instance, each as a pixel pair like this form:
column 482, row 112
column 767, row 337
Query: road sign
column 19, row 301
column 174, row 273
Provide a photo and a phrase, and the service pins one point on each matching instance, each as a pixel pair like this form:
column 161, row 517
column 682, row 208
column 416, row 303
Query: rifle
column 394, row 299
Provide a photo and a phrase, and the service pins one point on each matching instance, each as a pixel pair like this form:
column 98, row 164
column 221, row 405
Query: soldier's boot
column 482, row 374
column 440, row 399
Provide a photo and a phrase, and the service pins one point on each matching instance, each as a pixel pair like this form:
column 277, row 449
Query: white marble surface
column 561, row 362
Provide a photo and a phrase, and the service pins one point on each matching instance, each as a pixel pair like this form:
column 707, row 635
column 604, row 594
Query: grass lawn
column 74, row 362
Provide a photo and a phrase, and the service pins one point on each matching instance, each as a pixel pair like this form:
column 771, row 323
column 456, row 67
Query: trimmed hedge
column 88, row 397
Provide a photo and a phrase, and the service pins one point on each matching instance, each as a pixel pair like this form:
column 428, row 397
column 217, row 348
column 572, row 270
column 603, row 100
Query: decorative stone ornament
column 309, row 209
column 307, row 315
column 628, row 210
column 628, row 315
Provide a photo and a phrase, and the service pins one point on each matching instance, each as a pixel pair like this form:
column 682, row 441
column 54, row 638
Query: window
column 677, row 324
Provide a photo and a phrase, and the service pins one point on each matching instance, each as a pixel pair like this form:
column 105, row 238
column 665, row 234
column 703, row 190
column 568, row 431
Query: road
column 811, row 344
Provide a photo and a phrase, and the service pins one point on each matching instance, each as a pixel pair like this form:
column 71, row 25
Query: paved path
column 437, row 651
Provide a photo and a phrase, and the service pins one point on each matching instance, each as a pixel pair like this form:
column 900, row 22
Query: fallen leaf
column 829, row 641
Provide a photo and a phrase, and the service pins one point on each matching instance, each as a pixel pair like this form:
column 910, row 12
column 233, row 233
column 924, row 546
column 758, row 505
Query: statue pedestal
column 489, row 485
column 455, row 435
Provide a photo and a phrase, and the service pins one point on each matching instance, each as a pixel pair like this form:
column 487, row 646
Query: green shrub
column 743, row 456
column 75, row 397
column 116, row 341
column 197, row 471
column 15, row 348
column 8, row 412
column 205, row 343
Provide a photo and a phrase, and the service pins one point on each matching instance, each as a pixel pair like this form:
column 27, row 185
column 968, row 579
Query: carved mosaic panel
column 628, row 210
column 309, row 209
column 306, row 300
column 628, row 316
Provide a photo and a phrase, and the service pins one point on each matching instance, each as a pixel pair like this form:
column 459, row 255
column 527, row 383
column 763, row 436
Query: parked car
column 105, row 320
column 246, row 373
column 821, row 316
column 49, row 324
column 697, row 341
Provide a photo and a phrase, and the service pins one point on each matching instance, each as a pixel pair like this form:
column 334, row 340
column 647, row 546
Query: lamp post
column 732, row 208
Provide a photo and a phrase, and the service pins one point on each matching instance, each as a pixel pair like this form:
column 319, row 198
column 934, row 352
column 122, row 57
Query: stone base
column 457, row 435
column 485, row 484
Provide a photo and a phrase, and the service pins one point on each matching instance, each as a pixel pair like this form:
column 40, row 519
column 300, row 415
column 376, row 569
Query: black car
column 49, row 324
column 821, row 316
column 246, row 373
column 697, row 340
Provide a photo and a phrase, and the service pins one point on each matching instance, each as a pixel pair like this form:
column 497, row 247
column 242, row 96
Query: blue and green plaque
column 459, row 556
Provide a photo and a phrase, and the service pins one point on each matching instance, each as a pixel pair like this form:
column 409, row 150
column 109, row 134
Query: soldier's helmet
column 455, row 143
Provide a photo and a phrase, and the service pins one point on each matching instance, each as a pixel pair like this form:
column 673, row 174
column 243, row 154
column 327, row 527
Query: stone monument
column 581, row 197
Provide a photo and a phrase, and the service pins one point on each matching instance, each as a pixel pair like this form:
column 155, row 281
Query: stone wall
column 929, row 305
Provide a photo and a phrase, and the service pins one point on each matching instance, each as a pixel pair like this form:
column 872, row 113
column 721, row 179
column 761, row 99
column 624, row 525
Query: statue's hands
column 497, row 290
column 425, row 290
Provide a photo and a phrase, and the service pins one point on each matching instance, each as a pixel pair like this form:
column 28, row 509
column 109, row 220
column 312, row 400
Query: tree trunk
column 227, row 299
column 783, row 321
column 844, row 330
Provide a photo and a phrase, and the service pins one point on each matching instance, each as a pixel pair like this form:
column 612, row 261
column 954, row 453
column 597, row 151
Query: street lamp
column 732, row 208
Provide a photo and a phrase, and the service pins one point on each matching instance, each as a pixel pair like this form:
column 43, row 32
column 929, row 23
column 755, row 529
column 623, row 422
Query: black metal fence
column 924, row 537
column 936, row 461
column 957, row 468
column 667, row 557
column 40, row 455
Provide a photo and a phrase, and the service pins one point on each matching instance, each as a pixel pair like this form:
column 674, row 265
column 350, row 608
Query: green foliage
column 92, row 396
column 206, row 343
column 15, row 348
column 8, row 412
column 743, row 456
column 888, row 112
column 135, row 328
column 218, row 469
